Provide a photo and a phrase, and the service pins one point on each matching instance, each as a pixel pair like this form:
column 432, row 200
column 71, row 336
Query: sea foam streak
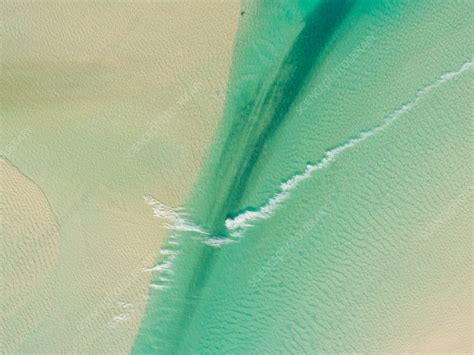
column 177, row 220
column 246, row 219
column 176, row 217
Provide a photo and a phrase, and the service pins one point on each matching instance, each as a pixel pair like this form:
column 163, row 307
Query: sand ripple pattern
column 30, row 249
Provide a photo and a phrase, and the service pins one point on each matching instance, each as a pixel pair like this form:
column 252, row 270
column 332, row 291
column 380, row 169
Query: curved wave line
column 246, row 219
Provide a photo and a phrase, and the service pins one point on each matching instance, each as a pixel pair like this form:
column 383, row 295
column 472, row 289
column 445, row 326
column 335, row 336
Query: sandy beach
column 104, row 104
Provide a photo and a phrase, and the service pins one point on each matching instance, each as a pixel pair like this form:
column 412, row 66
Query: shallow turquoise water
column 329, row 269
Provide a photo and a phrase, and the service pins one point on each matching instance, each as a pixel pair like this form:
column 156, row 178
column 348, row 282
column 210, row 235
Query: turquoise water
column 363, row 96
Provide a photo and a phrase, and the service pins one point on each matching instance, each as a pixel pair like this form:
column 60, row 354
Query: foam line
column 217, row 242
column 246, row 219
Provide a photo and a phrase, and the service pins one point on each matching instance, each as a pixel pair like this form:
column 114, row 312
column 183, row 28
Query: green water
column 333, row 267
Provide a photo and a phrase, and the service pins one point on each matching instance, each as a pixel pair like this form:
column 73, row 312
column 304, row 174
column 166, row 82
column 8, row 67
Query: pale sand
column 30, row 248
column 104, row 103
column 439, row 319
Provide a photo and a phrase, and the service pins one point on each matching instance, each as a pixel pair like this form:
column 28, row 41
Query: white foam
column 217, row 242
column 185, row 226
column 162, row 266
column 161, row 210
column 167, row 252
column 176, row 218
column 246, row 219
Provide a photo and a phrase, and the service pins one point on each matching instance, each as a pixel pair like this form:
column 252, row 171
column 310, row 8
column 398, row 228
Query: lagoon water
column 333, row 212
